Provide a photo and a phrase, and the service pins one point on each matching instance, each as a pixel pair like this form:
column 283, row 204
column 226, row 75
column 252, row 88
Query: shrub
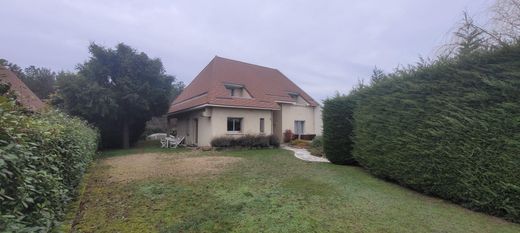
column 316, row 147
column 261, row 141
column 449, row 129
column 287, row 135
column 223, row 142
column 274, row 141
column 43, row 157
column 337, row 129
column 246, row 141
column 317, row 142
column 301, row 143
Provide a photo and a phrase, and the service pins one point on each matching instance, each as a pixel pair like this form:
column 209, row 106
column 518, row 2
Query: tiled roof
column 24, row 95
column 265, row 85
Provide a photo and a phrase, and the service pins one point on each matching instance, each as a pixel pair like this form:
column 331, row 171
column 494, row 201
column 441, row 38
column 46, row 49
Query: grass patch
column 269, row 191
column 141, row 147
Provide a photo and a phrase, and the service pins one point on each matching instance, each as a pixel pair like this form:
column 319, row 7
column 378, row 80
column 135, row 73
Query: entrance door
column 196, row 133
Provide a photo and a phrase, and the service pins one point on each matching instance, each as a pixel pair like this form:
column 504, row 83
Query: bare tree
column 501, row 29
column 506, row 20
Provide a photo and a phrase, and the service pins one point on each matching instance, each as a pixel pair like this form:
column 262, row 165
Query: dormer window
column 294, row 96
column 237, row 90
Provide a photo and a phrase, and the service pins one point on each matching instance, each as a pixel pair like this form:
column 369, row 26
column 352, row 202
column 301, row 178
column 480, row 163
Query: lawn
column 152, row 190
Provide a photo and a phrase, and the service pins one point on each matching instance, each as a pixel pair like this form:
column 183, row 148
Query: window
column 231, row 91
column 234, row 124
column 262, row 125
column 299, row 127
column 294, row 96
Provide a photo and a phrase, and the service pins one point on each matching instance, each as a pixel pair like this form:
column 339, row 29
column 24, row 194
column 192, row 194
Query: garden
column 148, row 189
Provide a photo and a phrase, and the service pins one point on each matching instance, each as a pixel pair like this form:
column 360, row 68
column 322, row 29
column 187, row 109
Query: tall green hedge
column 337, row 129
column 42, row 159
column 450, row 129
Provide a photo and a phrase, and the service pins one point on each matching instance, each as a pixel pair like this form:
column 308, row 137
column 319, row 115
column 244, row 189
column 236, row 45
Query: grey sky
column 323, row 46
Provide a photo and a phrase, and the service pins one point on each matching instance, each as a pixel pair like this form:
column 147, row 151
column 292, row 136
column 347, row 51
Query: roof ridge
column 247, row 63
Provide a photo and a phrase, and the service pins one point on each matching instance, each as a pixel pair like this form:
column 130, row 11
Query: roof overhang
column 216, row 105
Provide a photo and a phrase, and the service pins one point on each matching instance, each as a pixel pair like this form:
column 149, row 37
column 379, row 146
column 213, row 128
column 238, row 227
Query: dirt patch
column 154, row 165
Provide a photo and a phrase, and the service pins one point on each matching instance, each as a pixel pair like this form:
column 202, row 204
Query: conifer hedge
column 42, row 159
column 449, row 129
column 337, row 129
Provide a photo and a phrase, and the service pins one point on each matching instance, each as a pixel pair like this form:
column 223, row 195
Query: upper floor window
column 294, row 96
column 237, row 90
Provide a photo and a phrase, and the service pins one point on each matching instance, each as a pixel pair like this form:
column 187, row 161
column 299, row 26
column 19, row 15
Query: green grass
column 141, row 147
column 269, row 191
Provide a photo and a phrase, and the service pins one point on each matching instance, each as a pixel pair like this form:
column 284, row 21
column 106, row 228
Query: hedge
column 246, row 141
column 43, row 157
column 337, row 129
column 449, row 129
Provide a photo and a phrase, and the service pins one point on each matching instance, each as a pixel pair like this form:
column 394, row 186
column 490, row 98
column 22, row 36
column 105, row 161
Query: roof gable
column 24, row 95
column 266, row 86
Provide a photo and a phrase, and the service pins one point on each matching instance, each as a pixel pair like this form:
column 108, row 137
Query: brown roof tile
column 265, row 85
column 25, row 96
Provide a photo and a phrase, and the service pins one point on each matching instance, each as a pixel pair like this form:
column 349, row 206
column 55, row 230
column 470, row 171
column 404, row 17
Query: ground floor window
column 234, row 124
column 262, row 125
column 299, row 127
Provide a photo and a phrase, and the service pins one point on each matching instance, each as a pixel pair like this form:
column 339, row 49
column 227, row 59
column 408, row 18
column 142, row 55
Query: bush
column 316, row 147
column 300, row 143
column 246, row 141
column 274, row 141
column 43, row 158
column 287, row 135
column 449, row 129
column 317, row 142
column 337, row 129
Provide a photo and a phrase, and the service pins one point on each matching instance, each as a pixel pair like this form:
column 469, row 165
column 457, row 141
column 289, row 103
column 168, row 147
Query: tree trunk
column 126, row 134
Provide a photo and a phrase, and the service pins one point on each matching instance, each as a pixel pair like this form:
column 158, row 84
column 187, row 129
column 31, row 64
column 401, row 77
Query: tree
column 506, row 19
column 470, row 37
column 377, row 75
column 118, row 90
column 40, row 80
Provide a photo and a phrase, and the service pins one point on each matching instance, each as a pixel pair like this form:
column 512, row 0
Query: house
column 24, row 95
column 230, row 98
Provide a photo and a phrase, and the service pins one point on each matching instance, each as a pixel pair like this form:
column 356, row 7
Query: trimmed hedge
column 337, row 129
column 246, row 141
column 43, row 157
column 449, row 129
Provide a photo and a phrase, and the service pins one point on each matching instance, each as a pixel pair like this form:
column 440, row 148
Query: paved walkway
column 304, row 154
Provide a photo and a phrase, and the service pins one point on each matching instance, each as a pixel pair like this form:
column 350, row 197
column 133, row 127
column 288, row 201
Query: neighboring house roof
column 266, row 86
column 24, row 95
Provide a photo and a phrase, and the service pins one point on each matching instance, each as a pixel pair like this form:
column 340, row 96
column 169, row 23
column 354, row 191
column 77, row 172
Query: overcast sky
column 323, row 46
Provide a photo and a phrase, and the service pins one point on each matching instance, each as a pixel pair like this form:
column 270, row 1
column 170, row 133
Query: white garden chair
column 171, row 142
column 175, row 141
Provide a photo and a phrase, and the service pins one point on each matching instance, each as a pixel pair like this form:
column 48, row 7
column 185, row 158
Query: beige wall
column 186, row 127
column 250, row 120
column 291, row 112
column 318, row 121
column 212, row 122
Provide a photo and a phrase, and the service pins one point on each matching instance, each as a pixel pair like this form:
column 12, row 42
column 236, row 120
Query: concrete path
column 304, row 154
